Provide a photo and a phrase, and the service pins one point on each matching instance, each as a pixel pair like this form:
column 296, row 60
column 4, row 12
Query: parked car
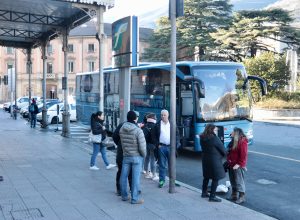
column 21, row 102
column 49, row 102
column 53, row 118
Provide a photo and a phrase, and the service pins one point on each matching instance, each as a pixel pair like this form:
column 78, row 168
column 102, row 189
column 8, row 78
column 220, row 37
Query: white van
column 52, row 116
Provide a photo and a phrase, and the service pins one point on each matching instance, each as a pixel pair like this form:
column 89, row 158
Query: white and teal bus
column 206, row 92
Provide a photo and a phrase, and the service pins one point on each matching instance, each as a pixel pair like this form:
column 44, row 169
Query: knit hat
column 131, row 116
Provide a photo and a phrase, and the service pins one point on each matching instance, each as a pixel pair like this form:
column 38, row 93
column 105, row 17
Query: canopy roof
column 27, row 23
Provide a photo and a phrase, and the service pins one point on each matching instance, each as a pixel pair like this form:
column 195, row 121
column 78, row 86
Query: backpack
column 31, row 108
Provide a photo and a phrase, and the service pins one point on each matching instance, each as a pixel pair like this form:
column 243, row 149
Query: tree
column 202, row 17
column 159, row 49
column 250, row 29
column 271, row 67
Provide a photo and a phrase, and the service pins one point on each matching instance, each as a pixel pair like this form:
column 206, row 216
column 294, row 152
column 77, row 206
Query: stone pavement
column 47, row 177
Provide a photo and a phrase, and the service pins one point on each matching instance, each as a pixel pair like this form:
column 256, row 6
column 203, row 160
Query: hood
column 127, row 126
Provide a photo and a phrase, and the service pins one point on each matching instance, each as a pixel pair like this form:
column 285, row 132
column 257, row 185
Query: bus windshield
column 227, row 94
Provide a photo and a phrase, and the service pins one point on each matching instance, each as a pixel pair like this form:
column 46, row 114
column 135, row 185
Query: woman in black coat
column 212, row 153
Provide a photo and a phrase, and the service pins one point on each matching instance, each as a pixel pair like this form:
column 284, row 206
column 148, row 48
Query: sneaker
column 144, row 172
column 161, row 183
column 109, row 166
column 94, row 168
column 155, row 178
column 149, row 175
column 141, row 201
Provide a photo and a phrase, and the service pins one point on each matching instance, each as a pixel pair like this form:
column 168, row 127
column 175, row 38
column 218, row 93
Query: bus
column 206, row 92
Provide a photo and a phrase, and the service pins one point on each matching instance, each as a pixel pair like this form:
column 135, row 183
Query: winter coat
column 97, row 127
column 212, row 153
column 238, row 155
column 117, row 140
column 132, row 140
column 147, row 133
column 35, row 107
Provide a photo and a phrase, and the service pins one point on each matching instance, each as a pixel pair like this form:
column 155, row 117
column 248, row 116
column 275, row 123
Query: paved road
column 273, row 176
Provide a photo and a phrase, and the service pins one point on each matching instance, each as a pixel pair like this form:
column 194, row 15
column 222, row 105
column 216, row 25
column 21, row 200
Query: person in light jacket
column 134, row 150
column 213, row 151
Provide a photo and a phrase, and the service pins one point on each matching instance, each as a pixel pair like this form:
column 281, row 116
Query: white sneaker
column 144, row 171
column 94, row 168
column 149, row 175
column 110, row 166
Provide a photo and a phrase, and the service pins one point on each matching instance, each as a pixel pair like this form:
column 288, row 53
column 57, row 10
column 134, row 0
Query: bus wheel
column 54, row 120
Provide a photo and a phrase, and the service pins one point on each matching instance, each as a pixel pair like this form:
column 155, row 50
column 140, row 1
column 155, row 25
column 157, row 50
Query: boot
column 241, row 199
column 204, row 194
column 213, row 198
column 234, row 196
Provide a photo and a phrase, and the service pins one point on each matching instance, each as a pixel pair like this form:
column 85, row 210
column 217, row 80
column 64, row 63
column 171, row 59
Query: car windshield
column 227, row 97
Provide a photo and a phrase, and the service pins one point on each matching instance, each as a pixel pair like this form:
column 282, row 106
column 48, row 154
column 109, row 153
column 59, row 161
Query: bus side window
column 167, row 96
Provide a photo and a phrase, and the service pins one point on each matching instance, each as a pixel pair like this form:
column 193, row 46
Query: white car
column 52, row 115
column 21, row 102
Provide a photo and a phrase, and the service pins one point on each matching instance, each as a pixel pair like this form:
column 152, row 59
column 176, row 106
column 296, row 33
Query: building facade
column 83, row 53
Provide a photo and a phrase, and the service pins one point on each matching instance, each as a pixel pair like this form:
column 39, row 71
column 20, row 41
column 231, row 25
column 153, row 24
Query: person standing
column 150, row 158
column 237, row 160
column 212, row 167
column 134, row 150
column 97, row 127
column 33, row 110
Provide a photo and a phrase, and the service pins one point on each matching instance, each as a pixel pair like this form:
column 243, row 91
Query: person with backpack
column 150, row 157
column 33, row 110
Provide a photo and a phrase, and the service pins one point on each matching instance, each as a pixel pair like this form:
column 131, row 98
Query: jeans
column 96, row 148
column 163, row 159
column 33, row 120
column 150, row 158
column 135, row 164
column 118, row 176
column 237, row 179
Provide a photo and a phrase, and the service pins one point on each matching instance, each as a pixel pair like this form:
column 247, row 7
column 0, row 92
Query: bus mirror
column 262, row 83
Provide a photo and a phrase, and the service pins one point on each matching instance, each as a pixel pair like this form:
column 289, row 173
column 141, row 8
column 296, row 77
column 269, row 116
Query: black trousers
column 214, row 185
column 119, row 164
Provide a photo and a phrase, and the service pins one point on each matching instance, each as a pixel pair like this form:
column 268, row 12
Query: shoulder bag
column 95, row 138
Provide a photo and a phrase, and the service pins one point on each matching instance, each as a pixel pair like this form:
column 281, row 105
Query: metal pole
column 101, row 56
column 124, row 92
column 16, row 64
column 172, row 163
column 65, row 114
column 29, row 78
column 44, row 111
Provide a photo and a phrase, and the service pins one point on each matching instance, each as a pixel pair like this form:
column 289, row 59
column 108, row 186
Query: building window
column 49, row 49
column 91, row 48
column 9, row 50
column 71, row 66
column 70, row 48
column 91, row 66
column 49, row 68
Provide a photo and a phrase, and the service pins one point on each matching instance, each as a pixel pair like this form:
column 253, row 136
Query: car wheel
column 54, row 120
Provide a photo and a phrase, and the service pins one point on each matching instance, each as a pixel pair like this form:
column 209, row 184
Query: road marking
column 279, row 157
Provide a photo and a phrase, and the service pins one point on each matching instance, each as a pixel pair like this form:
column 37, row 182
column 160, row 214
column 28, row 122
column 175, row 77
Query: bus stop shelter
column 28, row 24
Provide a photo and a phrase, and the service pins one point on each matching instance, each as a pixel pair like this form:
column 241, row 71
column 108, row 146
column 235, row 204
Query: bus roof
column 144, row 65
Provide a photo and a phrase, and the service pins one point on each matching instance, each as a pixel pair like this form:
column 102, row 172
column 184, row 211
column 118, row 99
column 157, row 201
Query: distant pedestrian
column 33, row 110
column 161, row 138
column 134, row 150
column 150, row 157
column 212, row 167
column 237, row 160
column 97, row 127
column 1, row 178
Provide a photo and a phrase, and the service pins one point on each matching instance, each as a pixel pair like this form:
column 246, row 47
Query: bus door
column 185, row 113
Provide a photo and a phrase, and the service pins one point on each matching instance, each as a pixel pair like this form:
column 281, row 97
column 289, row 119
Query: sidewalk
column 47, row 177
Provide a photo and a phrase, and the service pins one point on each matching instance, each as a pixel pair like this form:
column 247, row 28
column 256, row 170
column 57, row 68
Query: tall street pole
column 16, row 70
column 172, row 163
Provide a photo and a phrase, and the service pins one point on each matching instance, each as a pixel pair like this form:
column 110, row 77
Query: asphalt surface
column 273, row 177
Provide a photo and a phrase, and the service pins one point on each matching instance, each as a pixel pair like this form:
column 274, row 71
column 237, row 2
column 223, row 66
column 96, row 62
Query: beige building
column 82, row 57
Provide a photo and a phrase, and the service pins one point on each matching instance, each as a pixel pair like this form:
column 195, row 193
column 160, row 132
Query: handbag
column 95, row 138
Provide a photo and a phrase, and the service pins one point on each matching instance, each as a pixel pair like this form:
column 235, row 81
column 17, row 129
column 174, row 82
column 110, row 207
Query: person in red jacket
column 237, row 160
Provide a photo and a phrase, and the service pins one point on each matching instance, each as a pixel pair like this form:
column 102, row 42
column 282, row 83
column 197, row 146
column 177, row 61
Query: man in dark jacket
column 161, row 138
column 33, row 110
column 134, row 150
column 119, row 159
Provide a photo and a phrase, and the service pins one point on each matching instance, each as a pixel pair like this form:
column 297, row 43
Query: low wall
column 287, row 114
